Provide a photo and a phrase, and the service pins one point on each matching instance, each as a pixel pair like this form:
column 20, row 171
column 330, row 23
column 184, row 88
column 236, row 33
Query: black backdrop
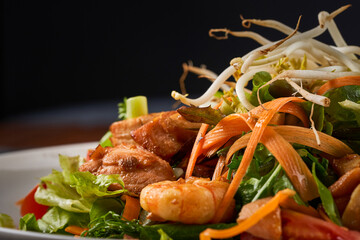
column 64, row 52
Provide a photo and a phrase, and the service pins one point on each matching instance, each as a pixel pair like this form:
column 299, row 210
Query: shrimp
column 190, row 201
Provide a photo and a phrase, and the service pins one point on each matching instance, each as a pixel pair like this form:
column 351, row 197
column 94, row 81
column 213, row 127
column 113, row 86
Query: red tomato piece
column 304, row 227
column 29, row 205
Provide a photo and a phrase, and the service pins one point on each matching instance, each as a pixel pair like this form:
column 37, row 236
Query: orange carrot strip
column 228, row 127
column 131, row 209
column 300, row 135
column 234, row 125
column 288, row 158
column 219, row 168
column 290, row 108
column 339, row 82
column 297, row 111
column 196, row 151
column 305, row 136
column 238, row 144
column 295, row 168
column 257, row 133
column 76, row 230
column 251, row 221
column 198, row 146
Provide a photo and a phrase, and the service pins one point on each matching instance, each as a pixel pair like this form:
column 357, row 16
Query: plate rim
column 15, row 233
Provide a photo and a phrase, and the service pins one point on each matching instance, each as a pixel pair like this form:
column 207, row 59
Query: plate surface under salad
column 20, row 172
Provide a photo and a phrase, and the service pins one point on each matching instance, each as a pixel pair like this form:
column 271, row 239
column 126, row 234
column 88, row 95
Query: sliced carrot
column 196, row 151
column 297, row 111
column 131, row 209
column 76, row 230
column 228, row 127
column 258, row 130
column 235, row 124
column 305, row 136
column 295, row 168
column 198, row 146
column 219, row 168
column 251, row 221
column 290, row 108
column 338, row 82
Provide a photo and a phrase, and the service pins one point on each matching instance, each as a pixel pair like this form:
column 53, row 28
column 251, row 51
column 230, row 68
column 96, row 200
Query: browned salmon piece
column 136, row 166
column 166, row 134
column 121, row 129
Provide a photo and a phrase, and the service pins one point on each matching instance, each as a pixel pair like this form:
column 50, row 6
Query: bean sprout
column 324, row 62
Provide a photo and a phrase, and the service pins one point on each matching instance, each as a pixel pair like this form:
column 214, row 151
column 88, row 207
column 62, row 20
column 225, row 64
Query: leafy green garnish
column 284, row 182
column 327, row 199
column 339, row 115
column 207, row 115
column 28, row 223
column 72, row 190
column 122, row 109
column 111, row 225
column 163, row 235
column 54, row 221
column 104, row 205
column 6, row 221
column 259, row 79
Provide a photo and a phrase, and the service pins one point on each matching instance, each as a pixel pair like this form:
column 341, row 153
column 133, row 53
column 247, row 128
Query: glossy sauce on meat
column 136, row 166
column 121, row 129
column 166, row 134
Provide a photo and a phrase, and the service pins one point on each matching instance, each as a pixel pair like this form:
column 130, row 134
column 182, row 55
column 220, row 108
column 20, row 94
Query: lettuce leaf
column 339, row 115
column 75, row 191
column 259, row 79
column 54, row 221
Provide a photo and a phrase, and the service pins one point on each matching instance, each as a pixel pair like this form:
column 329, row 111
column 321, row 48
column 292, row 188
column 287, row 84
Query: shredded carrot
column 251, row 221
column 76, row 230
column 235, row 124
column 196, row 151
column 258, row 130
column 228, row 127
column 219, row 168
column 198, row 146
column 305, row 136
column 131, row 209
column 295, row 168
column 290, row 108
column 338, row 82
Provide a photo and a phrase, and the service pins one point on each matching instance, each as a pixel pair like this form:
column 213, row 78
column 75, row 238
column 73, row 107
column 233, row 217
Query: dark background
column 66, row 64
column 58, row 53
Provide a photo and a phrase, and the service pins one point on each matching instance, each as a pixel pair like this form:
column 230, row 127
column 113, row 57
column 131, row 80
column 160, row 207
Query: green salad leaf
column 54, row 221
column 327, row 199
column 75, row 191
column 6, row 221
column 339, row 112
column 259, row 79
column 111, row 225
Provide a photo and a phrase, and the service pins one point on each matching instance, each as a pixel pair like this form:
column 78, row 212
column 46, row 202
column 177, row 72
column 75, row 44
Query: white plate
column 20, row 172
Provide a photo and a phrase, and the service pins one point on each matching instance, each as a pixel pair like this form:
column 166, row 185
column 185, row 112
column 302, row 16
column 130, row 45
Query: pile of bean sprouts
column 324, row 62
